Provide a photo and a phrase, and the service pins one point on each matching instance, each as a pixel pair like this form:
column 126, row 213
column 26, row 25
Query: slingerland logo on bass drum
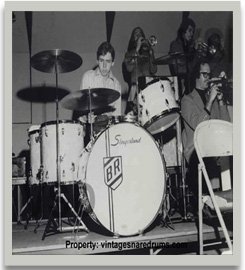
column 119, row 141
column 113, row 175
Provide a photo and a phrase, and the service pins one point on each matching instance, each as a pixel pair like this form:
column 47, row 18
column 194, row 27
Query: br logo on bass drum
column 113, row 176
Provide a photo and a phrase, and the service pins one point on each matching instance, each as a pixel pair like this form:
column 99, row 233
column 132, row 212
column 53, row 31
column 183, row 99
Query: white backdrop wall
column 82, row 32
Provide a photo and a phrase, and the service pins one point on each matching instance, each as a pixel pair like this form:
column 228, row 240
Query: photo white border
column 119, row 260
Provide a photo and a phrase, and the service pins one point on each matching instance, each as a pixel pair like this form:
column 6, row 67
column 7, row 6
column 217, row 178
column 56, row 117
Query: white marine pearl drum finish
column 71, row 141
column 158, row 107
column 126, row 178
column 35, row 154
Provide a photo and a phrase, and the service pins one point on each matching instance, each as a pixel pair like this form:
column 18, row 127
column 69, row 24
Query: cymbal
column 98, row 110
column 46, row 61
column 42, row 94
column 169, row 58
column 79, row 100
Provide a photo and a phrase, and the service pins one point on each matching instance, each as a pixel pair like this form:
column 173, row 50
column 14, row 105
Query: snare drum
column 158, row 107
column 125, row 178
column 71, row 143
column 35, row 154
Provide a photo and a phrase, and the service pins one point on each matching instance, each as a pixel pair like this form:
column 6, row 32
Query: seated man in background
column 203, row 103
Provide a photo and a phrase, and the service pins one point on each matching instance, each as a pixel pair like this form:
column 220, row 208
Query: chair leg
column 200, row 206
column 221, row 220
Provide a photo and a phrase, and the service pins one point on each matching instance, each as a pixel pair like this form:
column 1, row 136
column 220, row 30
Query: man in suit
column 203, row 103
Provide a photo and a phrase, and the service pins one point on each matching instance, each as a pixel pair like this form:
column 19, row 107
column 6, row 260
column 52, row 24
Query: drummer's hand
column 91, row 118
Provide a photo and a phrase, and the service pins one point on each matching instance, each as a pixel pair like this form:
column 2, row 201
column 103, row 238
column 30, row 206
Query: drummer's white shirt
column 94, row 79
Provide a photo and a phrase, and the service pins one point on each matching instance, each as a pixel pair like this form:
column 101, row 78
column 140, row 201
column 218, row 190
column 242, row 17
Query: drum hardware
column 89, row 101
column 40, row 177
column 57, row 61
column 34, row 144
column 174, row 122
column 174, row 59
column 53, row 227
column 169, row 59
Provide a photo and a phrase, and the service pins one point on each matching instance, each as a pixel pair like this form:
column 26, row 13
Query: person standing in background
column 138, row 62
column 184, row 53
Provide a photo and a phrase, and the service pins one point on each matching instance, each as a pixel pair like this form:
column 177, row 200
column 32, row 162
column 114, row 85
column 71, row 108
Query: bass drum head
column 127, row 174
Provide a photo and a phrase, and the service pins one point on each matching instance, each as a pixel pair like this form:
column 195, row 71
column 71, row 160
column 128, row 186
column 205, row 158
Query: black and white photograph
column 123, row 131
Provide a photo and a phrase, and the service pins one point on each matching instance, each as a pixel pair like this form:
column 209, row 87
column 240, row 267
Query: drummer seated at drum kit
column 102, row 77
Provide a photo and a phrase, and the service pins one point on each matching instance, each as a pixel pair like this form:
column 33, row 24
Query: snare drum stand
column 57, row 226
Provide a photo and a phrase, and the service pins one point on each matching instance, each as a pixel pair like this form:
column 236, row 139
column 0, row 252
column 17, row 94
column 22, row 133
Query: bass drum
column 125, row 179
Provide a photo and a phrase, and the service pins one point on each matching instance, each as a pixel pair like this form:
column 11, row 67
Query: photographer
column 203, row 103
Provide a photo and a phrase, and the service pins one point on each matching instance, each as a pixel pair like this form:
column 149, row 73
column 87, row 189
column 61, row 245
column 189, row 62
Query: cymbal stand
column 57, row 227
column 180, row 156
column 41, row 194
column 137, row 86
column 90, row 114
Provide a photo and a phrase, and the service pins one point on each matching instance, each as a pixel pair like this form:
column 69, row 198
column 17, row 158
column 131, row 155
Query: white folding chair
column 212, row 138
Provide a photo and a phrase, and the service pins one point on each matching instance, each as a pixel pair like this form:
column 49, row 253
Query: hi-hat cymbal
column 80, row 100
column 42, row 94
column 65, row 61
column 169, row 58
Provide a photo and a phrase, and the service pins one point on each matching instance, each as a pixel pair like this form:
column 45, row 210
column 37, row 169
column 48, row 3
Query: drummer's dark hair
column 104, row 48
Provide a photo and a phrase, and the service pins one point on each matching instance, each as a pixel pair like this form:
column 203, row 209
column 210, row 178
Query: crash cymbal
column 79, row 100
column 66, row 61
column 42, row 93
column 169, row 58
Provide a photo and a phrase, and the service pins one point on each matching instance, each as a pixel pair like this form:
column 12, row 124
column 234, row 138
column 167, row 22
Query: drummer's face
column 105, row 63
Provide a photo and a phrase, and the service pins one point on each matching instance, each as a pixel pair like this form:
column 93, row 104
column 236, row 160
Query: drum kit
column 122, row 170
